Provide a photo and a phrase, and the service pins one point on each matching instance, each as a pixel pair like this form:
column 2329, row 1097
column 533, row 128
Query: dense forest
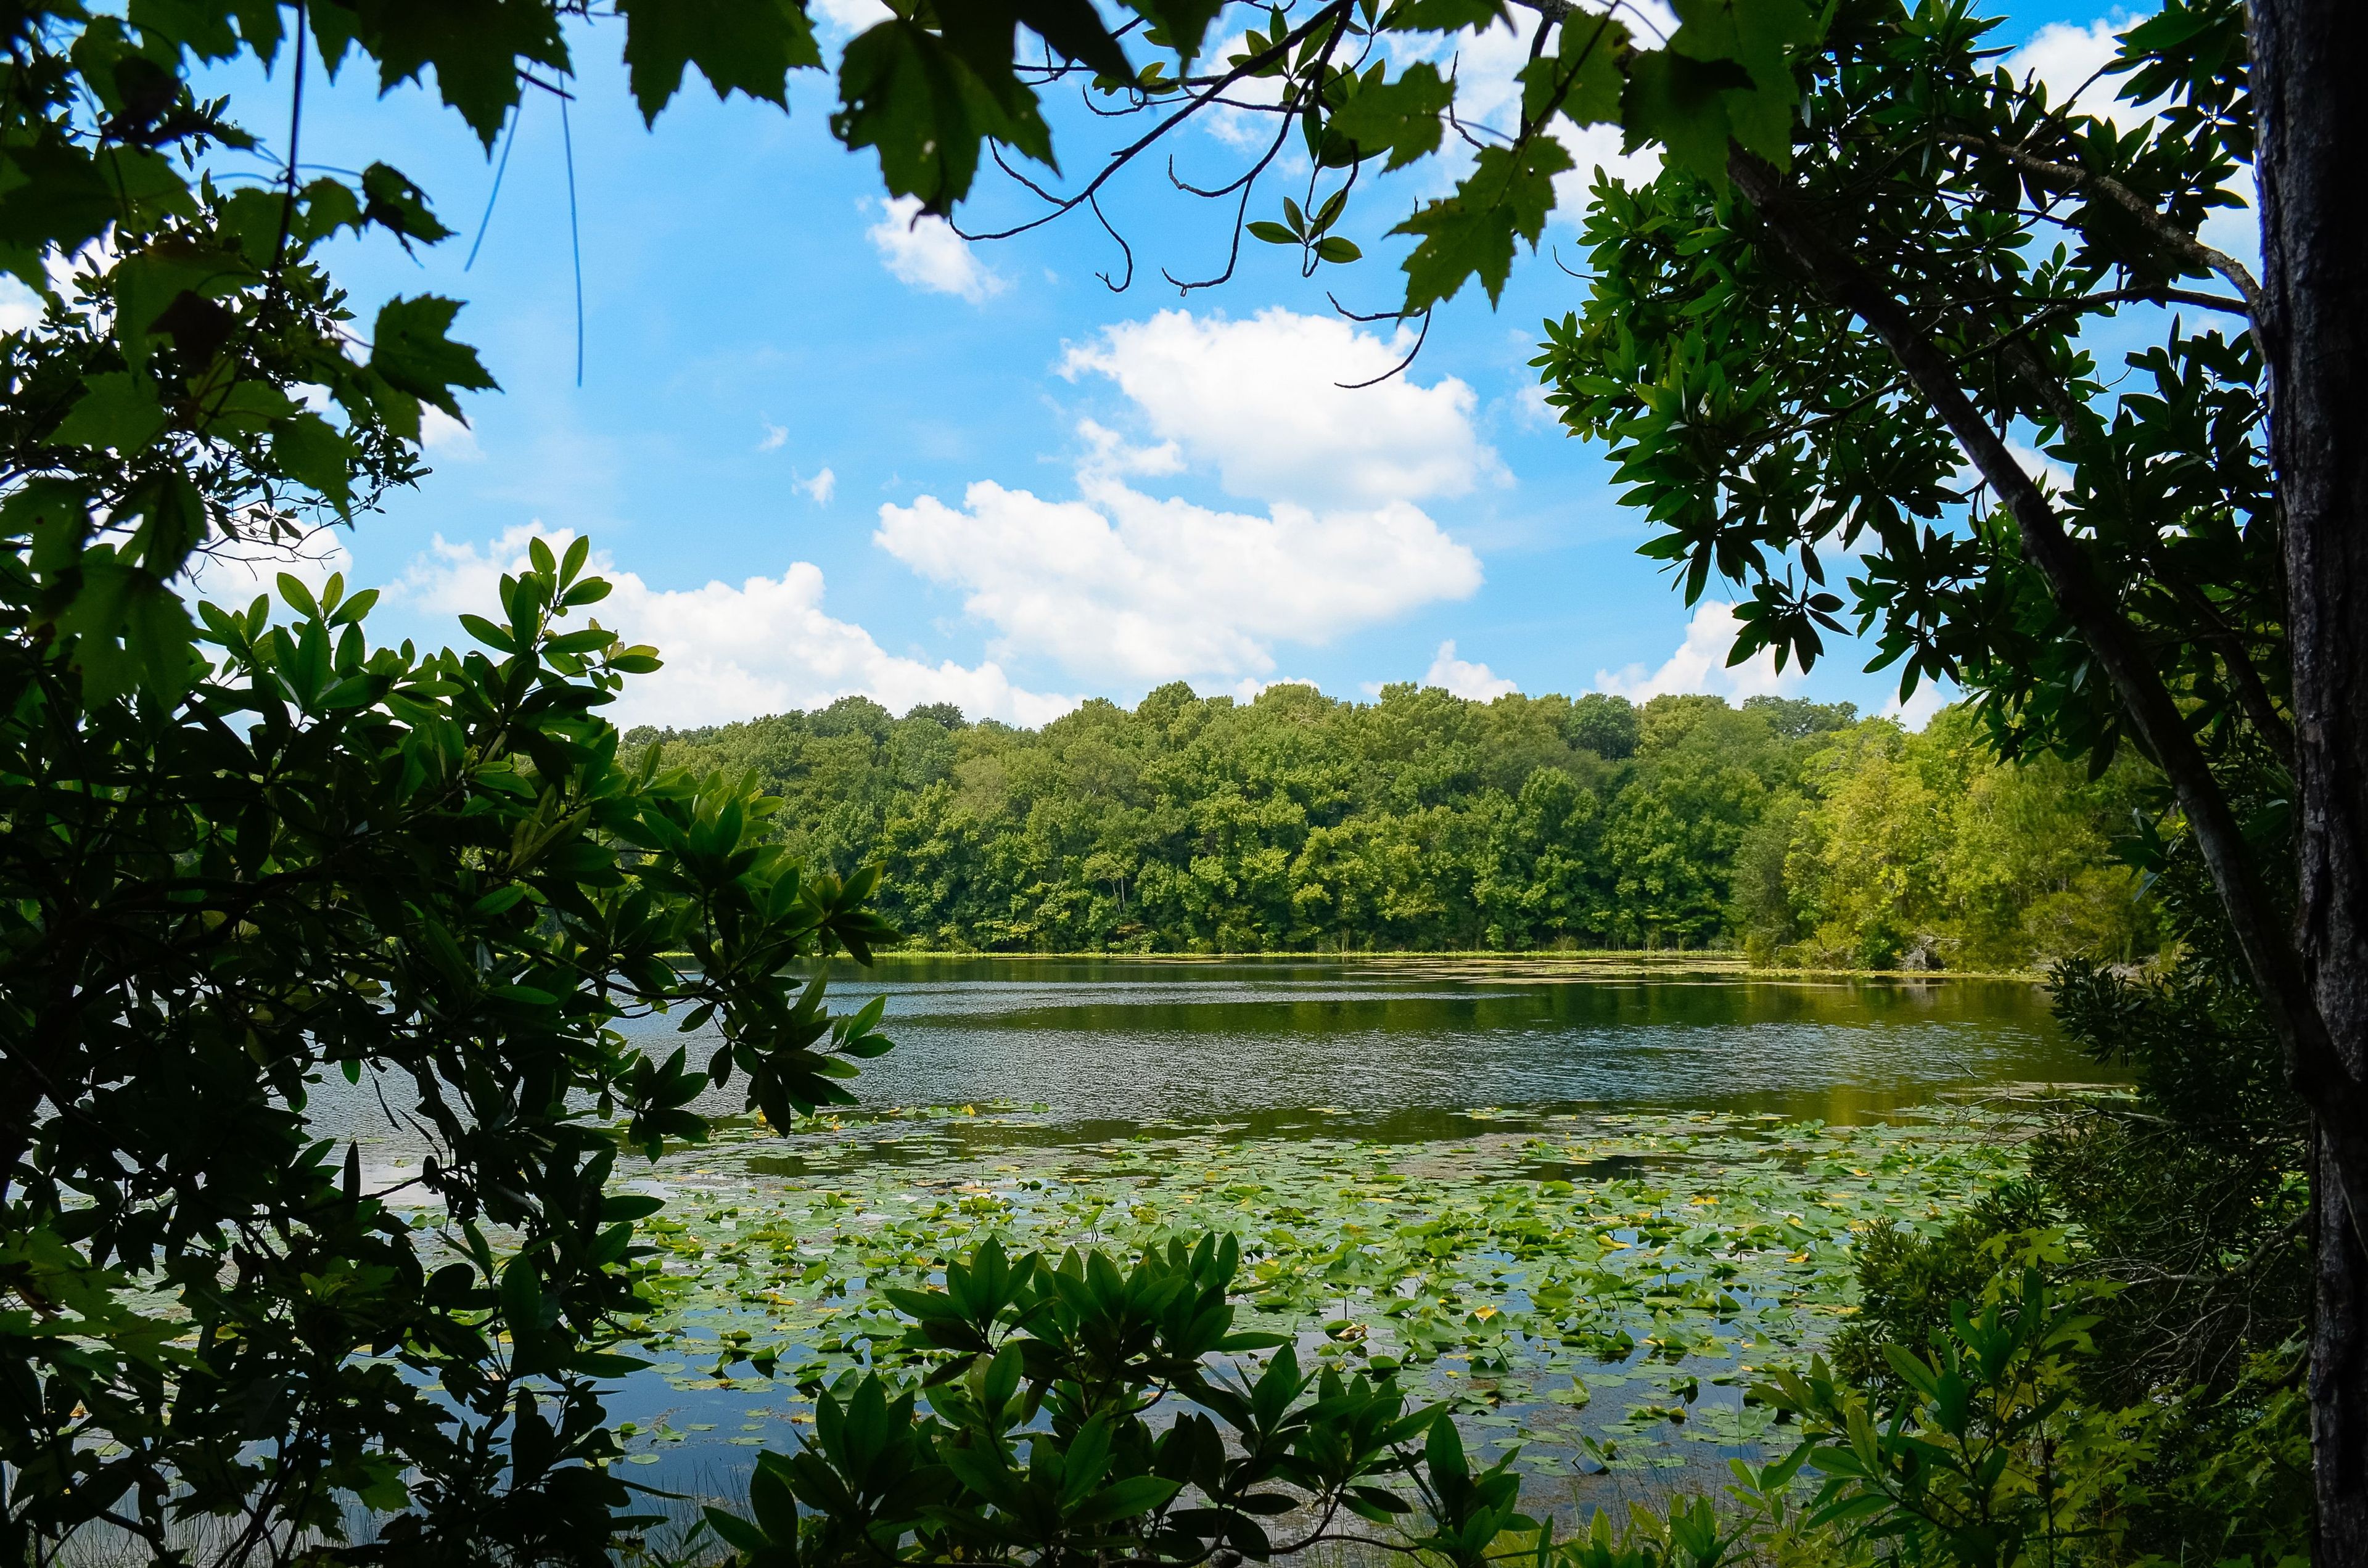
column 1422, row 821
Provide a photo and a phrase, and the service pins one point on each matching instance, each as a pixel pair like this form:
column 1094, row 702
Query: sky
column 822, row 450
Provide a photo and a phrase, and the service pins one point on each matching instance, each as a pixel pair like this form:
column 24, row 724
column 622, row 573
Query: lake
column 1399, row 1042
column 1580, row 1202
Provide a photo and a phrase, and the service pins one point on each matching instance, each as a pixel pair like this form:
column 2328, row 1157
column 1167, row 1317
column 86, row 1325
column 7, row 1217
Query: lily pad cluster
column 1599, row 1289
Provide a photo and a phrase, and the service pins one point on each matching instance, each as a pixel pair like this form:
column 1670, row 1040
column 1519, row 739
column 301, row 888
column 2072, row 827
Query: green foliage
column 432, row 875
column 1133, row 1442
column 1752, row 414
column 1978, row 1460
column 1927, row 850
column 2184, row 1205
column 1979, row 1449
column 2000, row 1444
column 1908, row 1281
column 1423, row 821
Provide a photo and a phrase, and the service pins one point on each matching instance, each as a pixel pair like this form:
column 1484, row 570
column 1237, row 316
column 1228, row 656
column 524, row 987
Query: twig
column 2186, row 246
column 1401, row 365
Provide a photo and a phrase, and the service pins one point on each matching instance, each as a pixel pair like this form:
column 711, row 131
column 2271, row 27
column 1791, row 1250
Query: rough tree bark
column 2309, row 57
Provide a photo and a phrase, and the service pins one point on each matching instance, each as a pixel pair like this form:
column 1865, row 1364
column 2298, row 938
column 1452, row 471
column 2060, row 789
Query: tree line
column 1422, row 821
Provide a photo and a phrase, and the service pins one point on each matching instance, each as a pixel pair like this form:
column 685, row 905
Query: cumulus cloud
column 1476, row 683
column 2066, row 58
column 1119, row 583
column 776, row 436
column 765, row 646
column 1699, row 664
column 820, row 487
column 851, row 16
column 926, row 253
column 447, row 438
column 2068, row 61
column 1918, row 710
column 1108, row 453
column 20, row 307
column 1260, row 402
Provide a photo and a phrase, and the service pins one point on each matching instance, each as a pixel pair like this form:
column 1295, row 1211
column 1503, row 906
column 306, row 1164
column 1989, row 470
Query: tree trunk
column 2310, row 58
column 2338, row 1375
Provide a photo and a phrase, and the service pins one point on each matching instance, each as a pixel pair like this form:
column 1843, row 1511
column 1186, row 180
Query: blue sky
column 823, row 451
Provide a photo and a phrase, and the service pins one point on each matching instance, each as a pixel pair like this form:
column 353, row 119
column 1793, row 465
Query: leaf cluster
column 427, row 873
column 1077, row 1408
column 1765, row 430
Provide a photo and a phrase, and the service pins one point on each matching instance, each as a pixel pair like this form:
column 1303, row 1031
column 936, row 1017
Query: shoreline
column 1726, row 964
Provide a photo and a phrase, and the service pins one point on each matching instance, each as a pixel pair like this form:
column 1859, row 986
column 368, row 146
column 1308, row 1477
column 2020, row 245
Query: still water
column 1024, row 1093
column 1070, row 1081
column 1400, row 1042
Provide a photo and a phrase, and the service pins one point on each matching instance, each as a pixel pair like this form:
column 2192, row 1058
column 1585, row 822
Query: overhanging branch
column 2161, row 230
column 2320, row 1077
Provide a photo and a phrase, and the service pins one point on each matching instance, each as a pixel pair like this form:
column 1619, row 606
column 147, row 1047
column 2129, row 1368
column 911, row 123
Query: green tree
column 1424, row 821
column 431, row 875
column 1782, row 352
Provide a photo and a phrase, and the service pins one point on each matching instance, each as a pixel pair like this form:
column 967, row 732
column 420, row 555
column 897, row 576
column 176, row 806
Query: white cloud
column 852, row 15
column 776, row 436
column 1120, row 584
column 1476, row 683
column 448, row 438
column 2066, row 58
column 926, row 253
column 1918, row 710
column 1597, row 149
column 1261, row 401
column 731, row 653
column 820, row 487
column 1699, row 664
column 1530, row 408
column 20, row 307
column 1109, row 453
